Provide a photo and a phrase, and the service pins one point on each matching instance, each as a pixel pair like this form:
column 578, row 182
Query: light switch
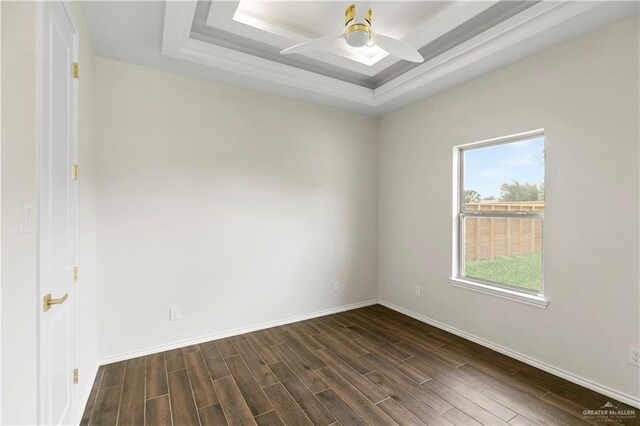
column 174, row 313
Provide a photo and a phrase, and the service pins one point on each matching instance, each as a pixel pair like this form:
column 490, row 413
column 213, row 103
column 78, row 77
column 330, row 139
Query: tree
column 471, row 196
column 516, row 191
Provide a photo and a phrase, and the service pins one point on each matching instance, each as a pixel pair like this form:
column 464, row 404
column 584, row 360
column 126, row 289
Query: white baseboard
column 229, row 333
column 622, row 397
column 86, row 392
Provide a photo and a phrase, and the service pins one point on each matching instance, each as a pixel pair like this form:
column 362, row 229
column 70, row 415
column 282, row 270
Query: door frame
column 73, row 296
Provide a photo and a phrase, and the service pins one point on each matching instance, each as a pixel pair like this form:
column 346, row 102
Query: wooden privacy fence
column 489, row 238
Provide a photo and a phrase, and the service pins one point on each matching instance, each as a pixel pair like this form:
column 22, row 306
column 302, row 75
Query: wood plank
column 308, row 327
column 382, row 344
column 215, row 363
column 360, row 403
column 341, row 340
column 418, row 350
column 398, row 413
column 373, row 393
column 500, row 380
column 302, row 351
column 288, row 410
column 236, row 338
column 226, row 348
column 374, row 329
column 251, row 391
column 135, row 362
column 183, row 407
column 406, row 369
column 113, row 375
column 270, row 336
column 132, row 400
column 404, row 332
column 466, row 390
column 233, row 404
column 263, row 349
column 269, row 419
column 414, row 405
column 532, row 408
column 256, row 364
column 156, row 375
column 436, row 368
column 201, row 382
column 174, row 360
column 569, row 391
column 457, row 417
column 312, row 407
column 423, row 394
column 212, row 416
column 521, row 421
column 105, row 410
column 189, row 349
column 348, row 330
column 357, row 363
column 300, row 368
column 340, row 409
column 158, row 411
column 303, row 337
column 463, row 404
column 566, row 389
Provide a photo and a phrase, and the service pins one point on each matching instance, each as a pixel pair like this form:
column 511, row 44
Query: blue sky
column 488, row 168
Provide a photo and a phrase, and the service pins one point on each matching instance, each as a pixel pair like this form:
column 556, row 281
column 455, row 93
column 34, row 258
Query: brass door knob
column 47, row 301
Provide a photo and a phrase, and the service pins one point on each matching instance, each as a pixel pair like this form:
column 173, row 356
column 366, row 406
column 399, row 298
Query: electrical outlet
column 336, row 286
column 174, row 313
column 634, row 356
column 418, row 290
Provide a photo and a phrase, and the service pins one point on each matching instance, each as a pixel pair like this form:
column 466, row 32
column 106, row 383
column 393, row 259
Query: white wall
column 19, row 297
column 585, row 94
column 237, row 206
column 20, row 302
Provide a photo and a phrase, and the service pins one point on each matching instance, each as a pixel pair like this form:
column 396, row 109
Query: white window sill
column 504, row 293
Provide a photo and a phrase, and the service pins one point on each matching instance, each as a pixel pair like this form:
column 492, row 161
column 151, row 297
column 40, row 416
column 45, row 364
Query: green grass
column 521, row 271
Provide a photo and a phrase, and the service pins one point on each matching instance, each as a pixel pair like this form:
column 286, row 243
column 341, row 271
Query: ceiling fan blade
column 397, row 48
column 311, row 45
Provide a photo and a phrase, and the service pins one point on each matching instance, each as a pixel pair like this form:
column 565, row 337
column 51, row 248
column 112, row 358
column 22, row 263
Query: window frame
column 458, row 279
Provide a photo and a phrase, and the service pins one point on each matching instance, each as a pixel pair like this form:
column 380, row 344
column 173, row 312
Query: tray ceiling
column 239, row 42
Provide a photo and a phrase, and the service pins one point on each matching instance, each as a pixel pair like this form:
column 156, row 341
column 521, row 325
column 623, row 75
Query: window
column 499, row 217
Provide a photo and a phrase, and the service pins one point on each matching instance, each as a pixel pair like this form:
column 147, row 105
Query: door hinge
column 75, row 376
column 74, row 172
column 75, row 274
column 76, row 70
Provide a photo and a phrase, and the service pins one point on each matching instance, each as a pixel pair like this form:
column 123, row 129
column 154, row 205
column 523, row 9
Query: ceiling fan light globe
column 357, row 38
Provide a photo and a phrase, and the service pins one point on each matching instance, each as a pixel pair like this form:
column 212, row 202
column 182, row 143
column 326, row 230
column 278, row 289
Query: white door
column 57, row 214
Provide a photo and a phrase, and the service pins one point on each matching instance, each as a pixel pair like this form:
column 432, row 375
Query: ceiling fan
column 359, row 34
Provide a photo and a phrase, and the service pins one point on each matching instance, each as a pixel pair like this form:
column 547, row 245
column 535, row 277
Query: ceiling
column 238, row 42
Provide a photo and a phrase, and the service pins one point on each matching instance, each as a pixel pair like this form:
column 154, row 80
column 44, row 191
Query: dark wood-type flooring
column 366, row 366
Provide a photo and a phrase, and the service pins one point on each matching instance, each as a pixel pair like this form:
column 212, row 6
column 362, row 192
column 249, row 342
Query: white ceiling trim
column 526, row 24
column 504, row 36
column 177, row 43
